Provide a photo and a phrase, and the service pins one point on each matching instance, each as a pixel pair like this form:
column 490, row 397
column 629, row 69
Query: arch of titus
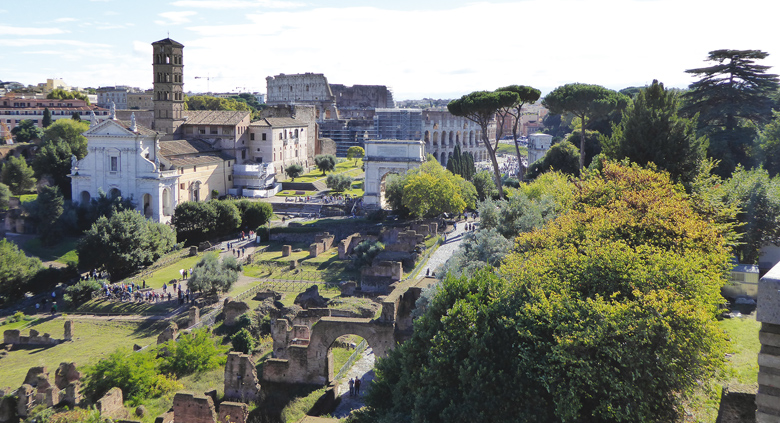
column 388, row 156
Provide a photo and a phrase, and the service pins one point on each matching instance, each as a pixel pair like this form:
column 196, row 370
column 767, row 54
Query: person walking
column 357, row 386
column 351, row 387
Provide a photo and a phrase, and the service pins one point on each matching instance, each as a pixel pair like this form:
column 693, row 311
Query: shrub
column 194, row 352
column 136, row 374
column 338, row 182
column 81, row 292
column 364, row 253
column 243, row 341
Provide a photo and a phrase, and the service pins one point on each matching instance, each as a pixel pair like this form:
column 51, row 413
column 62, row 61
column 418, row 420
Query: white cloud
column 175, row 18
column 15, row 30
column 29, row 42
column 116, row 26
column 65, row 20
column 237, row 4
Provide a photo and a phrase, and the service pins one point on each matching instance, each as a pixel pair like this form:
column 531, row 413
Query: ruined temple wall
column 241, row 382
column 362, row 96
column 308, row 86
column 191, row 408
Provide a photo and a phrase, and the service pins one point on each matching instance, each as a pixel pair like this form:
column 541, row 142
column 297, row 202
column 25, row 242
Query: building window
column 252, row 136
column 181, row 186
column 263, row 136
column 213, row 131
column 114, row 164
column 230, row 178
column 202, row 131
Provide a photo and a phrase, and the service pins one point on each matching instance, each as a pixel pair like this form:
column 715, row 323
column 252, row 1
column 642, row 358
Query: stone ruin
column 380, row 276
column 234, row 310
column 15, row 337
column 169, row 333
column 193, row 316
column 241, row 382
column 322, row 242
column 111, row 404
column 286, row 250
column 190, row 408
column 38, row 389
column 311, row 298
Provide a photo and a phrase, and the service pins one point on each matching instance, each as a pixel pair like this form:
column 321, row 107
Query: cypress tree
column 46, row 117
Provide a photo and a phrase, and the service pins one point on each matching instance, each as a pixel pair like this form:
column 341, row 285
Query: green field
column 165, row 274
column 63, row 252
column 93, row 339
column 316, row 174
column 741, row 368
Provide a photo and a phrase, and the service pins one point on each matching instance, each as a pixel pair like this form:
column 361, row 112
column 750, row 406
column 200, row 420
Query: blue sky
column 437, row 49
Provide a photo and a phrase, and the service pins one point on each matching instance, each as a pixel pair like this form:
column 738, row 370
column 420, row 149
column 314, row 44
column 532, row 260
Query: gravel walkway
column 364, row 369
column 445, row 251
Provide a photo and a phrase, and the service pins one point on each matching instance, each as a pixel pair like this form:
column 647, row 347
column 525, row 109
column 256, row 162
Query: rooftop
column 214, row 117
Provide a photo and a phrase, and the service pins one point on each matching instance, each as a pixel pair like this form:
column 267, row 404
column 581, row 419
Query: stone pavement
column 445, row 251
column 364, row 369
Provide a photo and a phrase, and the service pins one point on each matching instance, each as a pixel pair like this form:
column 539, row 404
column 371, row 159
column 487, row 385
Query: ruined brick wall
column 169, row 333
column 241, row 378
column 14, row 336
column 405, row 241
column 322, row 242
column 233, row 412
column 348, row 244
column 188, row 408
column 380, row 276
column 362, row 96
column 234, row 310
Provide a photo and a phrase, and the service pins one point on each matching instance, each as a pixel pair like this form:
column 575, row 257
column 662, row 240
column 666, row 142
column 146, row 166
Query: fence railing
column 352, row 358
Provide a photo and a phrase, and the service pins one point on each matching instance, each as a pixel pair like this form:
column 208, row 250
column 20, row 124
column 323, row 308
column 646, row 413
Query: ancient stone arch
column 380, row 337
column 388, row 156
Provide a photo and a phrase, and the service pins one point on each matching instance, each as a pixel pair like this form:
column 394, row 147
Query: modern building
column 279, row 141
column 15, row 108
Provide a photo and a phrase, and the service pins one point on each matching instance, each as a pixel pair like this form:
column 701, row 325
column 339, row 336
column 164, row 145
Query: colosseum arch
column 435, row 139
column 471, row 138
column 452, row 139
column 427, row 137
column 443, row 138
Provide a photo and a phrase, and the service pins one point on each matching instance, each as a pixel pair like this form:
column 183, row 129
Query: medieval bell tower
column 168, row 99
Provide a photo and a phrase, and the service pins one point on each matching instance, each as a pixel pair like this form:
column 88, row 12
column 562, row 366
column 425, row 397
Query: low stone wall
column 322, row 242
column 14, row 337
column 111, row 403
column 380, row 276
column 233, row 412
column 191, row 408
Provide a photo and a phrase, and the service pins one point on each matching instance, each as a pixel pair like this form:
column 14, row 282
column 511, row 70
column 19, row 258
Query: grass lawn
column 104, row 306
column 324, row 268
column 167, row 273
column 63, row 252
column 510, row 150
column 316, row 174
column 93, row 339
column 294, row 193
column 741, row 368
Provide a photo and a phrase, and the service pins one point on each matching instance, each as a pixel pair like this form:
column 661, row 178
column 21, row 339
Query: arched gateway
column 388, row 156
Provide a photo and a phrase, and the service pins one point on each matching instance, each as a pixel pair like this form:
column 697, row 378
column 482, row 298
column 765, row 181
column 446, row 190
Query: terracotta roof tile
column 214, row 117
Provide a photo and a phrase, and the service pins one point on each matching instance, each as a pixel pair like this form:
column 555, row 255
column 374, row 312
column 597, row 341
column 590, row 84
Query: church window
column 280, row 135
column 114, row 166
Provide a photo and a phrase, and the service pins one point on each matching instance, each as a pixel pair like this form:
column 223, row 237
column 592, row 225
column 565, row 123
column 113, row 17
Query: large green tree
column 204, row 102
column 293, row 171
column 70, row 131
column 462, row 163
column 27, row 131
column 46, row 118
column 16, row 270
column 254, row 213
column 481, row 107
column 606, row 314
column 325, row 162
column 652, row 132
column 355, row 152
column 767, row 150
column 53, row 161
column 429, row 191
column 525, row 95
column 45, row 212
column 212, row 275
column 757, row 196
column 124, row 243
column 731, row 97
column 193, row 221
column 18, row 175
column 588, row 102
column 5, row 196
column 562, row 157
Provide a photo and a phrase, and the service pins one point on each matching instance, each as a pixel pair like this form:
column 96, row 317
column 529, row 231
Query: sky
column 420, row 49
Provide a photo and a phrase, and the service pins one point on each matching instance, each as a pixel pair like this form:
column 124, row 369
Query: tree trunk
column 492, row 154
column 582, row 144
